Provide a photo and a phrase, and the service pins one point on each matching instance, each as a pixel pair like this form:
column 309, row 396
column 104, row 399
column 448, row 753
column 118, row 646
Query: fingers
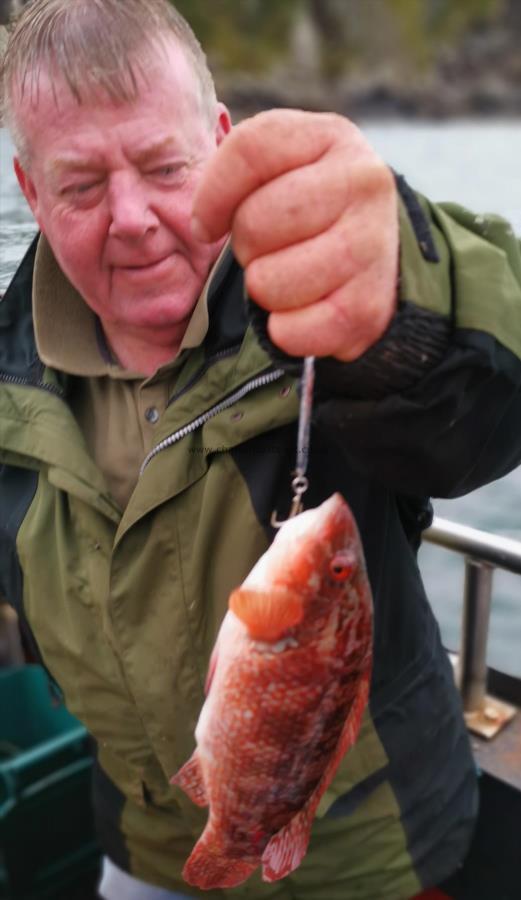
column 313, row 217
column 288, row 210
column 308, row 270
column 258, row 151
column 342, row 325
column 335, row 294
column 304, row 272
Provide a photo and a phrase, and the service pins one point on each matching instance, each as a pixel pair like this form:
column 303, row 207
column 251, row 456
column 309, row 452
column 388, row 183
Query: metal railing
column 483, row 553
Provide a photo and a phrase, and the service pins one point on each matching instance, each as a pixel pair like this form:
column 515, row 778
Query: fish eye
column 341, row 567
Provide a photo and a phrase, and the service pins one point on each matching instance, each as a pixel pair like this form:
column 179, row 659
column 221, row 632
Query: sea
column 477, row 164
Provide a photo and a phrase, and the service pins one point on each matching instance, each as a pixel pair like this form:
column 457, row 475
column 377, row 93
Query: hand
column 313, row 217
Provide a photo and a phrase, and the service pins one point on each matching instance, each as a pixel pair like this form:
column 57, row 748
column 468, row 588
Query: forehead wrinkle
column 143, row 156
column 71, row 163
column 50, row 93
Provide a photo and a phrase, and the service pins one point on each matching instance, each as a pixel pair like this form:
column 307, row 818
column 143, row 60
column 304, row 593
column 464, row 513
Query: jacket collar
column 18, row 354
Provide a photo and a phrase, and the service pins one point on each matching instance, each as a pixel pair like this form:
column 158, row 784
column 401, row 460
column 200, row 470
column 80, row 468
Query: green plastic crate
column 47, row 836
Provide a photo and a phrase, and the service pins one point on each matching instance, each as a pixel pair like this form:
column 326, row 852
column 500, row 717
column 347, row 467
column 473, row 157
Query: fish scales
column 287, row 686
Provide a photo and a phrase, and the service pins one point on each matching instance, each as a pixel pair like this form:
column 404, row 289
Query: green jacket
column 124, row 608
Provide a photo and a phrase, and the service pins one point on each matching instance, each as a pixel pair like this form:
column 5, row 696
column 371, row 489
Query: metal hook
column 300, row 483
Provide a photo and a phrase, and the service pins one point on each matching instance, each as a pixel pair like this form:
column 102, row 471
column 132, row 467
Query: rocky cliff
column 413, row 58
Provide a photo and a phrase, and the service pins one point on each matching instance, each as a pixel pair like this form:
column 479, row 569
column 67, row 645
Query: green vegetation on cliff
column 254, row 34
column 250, row 35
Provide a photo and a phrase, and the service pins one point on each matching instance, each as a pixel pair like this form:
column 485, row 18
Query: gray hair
column 94, row 44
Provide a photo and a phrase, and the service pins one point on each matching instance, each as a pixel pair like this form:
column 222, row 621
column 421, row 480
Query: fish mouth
column 334, row 515
column 322, row 523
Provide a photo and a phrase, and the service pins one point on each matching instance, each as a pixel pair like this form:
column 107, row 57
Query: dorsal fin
column 267, row 614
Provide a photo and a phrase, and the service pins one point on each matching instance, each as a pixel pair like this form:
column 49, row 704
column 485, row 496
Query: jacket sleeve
column 434, row 407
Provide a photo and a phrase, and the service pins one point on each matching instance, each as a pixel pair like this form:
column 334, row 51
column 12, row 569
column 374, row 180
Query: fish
column 286, row 689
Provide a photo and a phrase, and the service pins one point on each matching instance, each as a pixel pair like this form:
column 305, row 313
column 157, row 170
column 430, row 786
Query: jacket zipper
column 259, row 381
column 25, row 382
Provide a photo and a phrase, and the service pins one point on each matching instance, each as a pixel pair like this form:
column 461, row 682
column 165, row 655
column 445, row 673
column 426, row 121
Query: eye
column 80, row 189
column 341, row 567
column 165, row 171
column 83, row 188
column 169, row 171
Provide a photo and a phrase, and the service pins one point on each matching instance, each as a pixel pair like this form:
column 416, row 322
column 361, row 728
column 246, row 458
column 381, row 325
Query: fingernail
column 199, row 231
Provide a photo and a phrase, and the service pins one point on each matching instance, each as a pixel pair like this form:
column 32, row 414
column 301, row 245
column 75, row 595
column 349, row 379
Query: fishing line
column 300, row 482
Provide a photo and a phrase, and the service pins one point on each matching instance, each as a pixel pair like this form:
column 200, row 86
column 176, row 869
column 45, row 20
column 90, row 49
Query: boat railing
column 483, row 553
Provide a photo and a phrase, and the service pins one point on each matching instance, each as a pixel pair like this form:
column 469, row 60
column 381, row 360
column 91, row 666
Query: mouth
column 147, row 268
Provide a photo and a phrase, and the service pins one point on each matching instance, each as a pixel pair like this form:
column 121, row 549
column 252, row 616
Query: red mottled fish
column 287, row 685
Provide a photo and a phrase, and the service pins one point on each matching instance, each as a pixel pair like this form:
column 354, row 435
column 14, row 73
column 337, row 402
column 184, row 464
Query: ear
column 224, row 123
column 27, row 185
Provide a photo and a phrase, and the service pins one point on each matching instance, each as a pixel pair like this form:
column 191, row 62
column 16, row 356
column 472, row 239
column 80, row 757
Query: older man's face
column 112, row 185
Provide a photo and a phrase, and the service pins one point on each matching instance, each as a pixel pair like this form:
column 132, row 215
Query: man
column 149, row 425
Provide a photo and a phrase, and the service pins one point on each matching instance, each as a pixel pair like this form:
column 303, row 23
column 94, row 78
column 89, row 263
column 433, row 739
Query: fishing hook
column 300, row 483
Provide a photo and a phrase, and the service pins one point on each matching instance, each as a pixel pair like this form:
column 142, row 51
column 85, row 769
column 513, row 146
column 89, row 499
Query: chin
column 160, row 313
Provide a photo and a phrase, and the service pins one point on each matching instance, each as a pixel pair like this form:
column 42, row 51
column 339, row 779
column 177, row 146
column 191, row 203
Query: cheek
column 200, row 255
column 80, row 256
column 203, row 257
column 176, row 211
column 176, row 215
column 77, row 239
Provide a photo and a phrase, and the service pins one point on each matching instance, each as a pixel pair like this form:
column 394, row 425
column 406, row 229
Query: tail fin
column 208, row 868
column 287, row 848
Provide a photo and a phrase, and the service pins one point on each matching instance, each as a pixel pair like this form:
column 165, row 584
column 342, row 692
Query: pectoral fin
column 267, row 615
column 190, row 779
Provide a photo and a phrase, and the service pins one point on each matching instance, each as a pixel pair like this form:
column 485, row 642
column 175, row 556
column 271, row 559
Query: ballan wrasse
column 287, row 686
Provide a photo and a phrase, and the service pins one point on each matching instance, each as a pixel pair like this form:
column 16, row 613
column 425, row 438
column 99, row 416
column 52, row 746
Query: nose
column 131, row 213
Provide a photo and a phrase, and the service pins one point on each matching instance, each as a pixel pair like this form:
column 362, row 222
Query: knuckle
column 381, row 177
column 245, row 231
column 340, row 123
column 257, row 285
column 244, row 145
